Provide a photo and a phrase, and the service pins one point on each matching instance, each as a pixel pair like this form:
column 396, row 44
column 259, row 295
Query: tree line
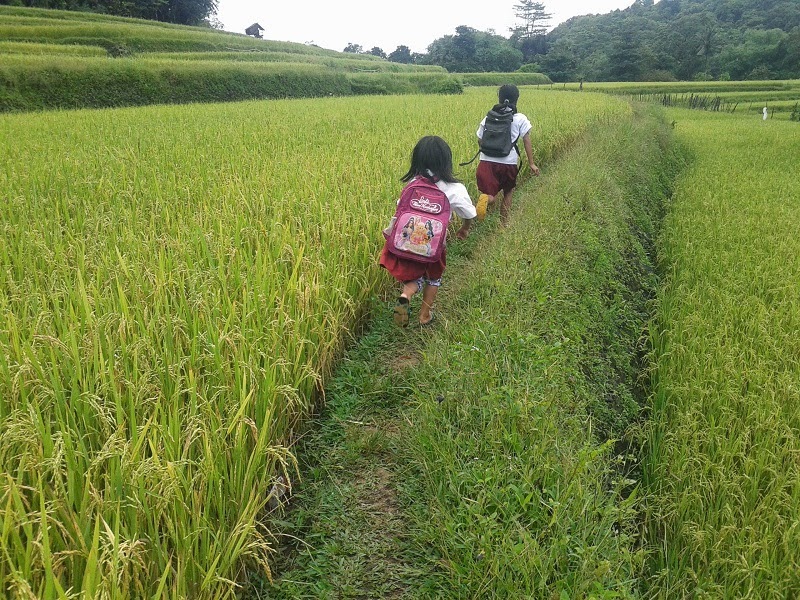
column 649, row 41
column 180, row 12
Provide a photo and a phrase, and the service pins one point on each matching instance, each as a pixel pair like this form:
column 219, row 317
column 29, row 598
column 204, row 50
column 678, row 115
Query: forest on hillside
column 649, row 41
column 678, row 39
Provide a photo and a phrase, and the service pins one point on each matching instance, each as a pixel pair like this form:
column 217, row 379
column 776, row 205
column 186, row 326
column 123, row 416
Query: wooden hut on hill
column 255, row 30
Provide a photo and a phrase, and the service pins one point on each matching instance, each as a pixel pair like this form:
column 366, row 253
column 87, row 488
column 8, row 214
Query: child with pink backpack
column 415, row 248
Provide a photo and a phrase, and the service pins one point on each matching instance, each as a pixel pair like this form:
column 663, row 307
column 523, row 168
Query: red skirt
column 404, row 270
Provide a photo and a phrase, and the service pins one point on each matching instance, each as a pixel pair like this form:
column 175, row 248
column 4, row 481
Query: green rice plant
column 498, row 79
column 176, row 285
column 722, row 460
column 41, row 82
column 42, row 49
column 356, row 64
column 683, row 87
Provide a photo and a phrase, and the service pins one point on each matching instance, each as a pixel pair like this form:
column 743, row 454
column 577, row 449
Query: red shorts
column 493, row 177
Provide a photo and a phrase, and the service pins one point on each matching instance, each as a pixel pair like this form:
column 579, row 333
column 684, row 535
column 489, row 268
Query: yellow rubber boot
column 481, row 206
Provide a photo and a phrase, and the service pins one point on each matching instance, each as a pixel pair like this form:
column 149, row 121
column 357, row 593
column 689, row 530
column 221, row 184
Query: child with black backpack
column 498, row 168
column 414, row 252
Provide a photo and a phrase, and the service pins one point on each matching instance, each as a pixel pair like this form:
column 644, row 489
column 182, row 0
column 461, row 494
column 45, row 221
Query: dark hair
column 431, row 154
column 508, row 93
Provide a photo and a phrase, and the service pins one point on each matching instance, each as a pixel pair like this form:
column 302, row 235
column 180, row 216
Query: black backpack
column 496, row 140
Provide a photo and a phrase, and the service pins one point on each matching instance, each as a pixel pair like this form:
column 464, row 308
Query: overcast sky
column 333, row 24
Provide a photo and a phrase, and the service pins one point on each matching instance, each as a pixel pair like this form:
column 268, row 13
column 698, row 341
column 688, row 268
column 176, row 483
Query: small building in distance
column 255, row 30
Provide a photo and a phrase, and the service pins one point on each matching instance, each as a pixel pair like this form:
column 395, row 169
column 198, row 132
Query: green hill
column 679, row 39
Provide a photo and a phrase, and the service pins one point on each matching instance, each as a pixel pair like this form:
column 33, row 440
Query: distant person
column 414, row 252
column 499, row 173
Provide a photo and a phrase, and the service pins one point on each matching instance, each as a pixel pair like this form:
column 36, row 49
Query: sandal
column 429, row 321
column 401, row 311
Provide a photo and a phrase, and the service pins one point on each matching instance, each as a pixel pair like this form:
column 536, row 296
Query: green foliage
column 716, row 96
column 183, row 12
column 530, row 68
column 722, row 463
column 401, row 54
column 534, row 18
column 175, row 286
column 498, row 79
column 66, row 27
column 352, row 64
column 473, row 51
column 32, row 48
column 405, row 83
column 684, row 39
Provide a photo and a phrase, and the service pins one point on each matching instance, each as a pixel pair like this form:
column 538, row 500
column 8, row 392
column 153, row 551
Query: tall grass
column 518, row 487
column 358, row 62
column 176, row 283
column 682, row 87
column 32, row 48
column 723, row 464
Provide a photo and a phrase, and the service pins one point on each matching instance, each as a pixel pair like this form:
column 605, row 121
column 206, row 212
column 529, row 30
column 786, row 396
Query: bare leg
column 505, row 207
column 428, row 297
column 409, row 289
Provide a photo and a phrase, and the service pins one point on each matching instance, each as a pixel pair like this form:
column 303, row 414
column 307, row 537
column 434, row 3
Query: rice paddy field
column 176, row 284
column 781, row 98
column 179, row 283
column 723, row 454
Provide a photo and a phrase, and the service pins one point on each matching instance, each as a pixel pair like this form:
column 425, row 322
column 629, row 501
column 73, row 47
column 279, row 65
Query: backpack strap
column 477, row 154
column 464, row 164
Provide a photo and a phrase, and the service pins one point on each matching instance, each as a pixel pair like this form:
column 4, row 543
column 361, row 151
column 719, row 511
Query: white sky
column 333, row 24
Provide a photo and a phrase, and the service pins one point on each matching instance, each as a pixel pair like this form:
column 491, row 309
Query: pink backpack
column 419, row 226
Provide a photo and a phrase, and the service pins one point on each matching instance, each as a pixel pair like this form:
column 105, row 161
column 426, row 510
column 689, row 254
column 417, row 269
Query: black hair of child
column 508, row 93
column 431, row 154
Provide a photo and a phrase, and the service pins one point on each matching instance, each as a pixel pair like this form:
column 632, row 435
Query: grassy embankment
column 175, row 287
column 144, row 62
column 723, row 469
column 59, row 59
column 479, row 458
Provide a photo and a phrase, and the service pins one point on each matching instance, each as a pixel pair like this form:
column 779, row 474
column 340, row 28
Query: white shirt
column 460, row 202
column 520, row 126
